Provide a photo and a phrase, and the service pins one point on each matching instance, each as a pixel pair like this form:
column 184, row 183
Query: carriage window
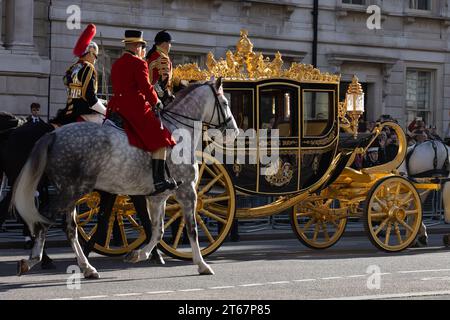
column 317, row 112
column 241, row 104
column 278, row 110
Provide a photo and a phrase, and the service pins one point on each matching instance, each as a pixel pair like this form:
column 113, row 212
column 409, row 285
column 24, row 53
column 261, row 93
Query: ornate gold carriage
column 312, row 177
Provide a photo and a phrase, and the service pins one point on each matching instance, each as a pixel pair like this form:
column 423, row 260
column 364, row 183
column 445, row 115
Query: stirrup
column 162, row 186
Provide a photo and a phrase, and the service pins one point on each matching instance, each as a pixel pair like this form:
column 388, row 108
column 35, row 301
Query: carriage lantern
column 355, row 103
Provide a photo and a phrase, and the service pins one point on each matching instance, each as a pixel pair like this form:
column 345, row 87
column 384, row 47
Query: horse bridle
column 167, row 115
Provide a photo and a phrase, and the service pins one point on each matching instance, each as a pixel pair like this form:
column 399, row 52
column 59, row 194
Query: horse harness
column 435, row 171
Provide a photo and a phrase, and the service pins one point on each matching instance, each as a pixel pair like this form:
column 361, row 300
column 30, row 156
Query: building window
column 104, row 64
column 418, row 95
column 420, row 4
column 183, row 58
column 360, row 2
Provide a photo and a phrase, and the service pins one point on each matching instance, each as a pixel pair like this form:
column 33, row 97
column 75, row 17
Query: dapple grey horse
column 425, row 158
column 81, row 157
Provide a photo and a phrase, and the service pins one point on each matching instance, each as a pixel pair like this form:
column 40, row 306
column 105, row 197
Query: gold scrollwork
column 245, row 64
column 321, row 142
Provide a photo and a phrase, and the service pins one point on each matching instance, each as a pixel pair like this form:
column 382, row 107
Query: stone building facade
column 404, row 66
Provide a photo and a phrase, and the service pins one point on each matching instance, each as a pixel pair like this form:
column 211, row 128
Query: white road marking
column 420, row 271
column 304, row 280
column 94, row 297
column 251, row 285
column 189, row 290
column 128, row 294
column 223, row 287
column 357, row 276
column 436, row 278
column 62, row 299
column 279, row 282
column 159, row 292
column 331, row 278
column 394, row 295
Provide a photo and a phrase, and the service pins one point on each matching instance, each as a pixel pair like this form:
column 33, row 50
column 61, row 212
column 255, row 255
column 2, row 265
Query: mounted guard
column 135, row 101
column 81, row 82
column 160, row 68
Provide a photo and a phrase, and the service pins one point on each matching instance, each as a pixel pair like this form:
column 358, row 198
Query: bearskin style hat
column 85, row 44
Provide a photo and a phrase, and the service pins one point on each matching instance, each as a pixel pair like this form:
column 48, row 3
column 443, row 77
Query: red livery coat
column 133, row 99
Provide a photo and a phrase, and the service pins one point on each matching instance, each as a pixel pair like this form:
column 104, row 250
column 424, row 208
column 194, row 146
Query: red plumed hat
column 84, row 40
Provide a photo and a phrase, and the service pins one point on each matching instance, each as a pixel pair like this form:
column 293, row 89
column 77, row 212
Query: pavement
column 247, row 270
column 12, row 237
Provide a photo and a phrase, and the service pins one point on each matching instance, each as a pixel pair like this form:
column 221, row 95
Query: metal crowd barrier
column 433, row 214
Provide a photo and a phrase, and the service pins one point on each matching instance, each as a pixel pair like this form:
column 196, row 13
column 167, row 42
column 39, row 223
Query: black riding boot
column 159, row 179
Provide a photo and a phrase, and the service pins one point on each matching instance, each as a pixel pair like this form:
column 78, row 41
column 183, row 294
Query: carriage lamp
column 355, row 103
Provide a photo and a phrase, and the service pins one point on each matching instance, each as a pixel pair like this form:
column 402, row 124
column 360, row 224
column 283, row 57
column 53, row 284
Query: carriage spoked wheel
column 318, row 222
column 124, row 233
column 214, row 213
column 392, row 214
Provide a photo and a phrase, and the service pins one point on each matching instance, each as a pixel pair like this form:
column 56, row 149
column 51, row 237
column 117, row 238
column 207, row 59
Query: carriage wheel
column 124, row 233
column 392, row 214
column 316, row 224
column 214, row 214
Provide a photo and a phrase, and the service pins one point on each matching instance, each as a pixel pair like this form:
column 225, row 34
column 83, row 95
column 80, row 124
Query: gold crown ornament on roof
column 245, row 64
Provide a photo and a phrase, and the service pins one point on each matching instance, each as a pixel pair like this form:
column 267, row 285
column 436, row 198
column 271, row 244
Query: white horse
column 428, row 159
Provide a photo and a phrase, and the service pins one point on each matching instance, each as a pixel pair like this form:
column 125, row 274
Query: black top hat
column 132, row 36
column 163, row 36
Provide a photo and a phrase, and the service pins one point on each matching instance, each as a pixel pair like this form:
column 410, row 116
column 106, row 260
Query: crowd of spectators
column 385, row 148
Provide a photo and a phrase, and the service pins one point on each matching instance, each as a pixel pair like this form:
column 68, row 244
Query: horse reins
column 167, row 115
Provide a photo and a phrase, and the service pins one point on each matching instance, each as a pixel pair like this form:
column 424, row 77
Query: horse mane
column 183, row 93
column 9, row 121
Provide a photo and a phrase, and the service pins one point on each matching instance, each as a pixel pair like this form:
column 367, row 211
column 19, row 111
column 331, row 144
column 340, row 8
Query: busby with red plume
column 85, row 44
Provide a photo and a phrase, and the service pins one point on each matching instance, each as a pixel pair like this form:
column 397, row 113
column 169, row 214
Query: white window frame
column 431, row 112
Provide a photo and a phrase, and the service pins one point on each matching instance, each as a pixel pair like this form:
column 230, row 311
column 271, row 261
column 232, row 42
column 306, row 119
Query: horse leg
column 422, row 235
column 446, row 198
column 23, row 265
column 140, row 205
column 156, row 209
column 187, row 197
column 89, row 271
column 106, row 205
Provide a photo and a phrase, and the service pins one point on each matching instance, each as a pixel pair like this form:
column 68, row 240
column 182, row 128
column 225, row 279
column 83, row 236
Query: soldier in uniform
column 160, row 68
column 81, row 82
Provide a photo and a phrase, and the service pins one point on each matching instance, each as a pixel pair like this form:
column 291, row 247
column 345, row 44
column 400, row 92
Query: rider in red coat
column 134, row 100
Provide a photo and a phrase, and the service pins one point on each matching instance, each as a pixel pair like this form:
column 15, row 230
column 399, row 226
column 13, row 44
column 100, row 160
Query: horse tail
column 26, row 184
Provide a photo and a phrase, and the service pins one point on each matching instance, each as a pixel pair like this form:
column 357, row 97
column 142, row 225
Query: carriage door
column 319, row 131
column 278, row 110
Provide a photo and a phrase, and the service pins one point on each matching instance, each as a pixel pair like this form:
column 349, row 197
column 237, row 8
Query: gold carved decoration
column 321, row 142
column 280, row 175
column 245, row 64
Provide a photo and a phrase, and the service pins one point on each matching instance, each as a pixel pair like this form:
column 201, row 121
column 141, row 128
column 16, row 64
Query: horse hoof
column 206, row 270
column 132, row 257
column 157, row 260
column 446, row 240
column 91, row 275
column 423, row 240
column 22, row 267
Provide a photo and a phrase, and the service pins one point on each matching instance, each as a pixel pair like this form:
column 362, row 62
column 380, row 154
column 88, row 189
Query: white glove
column 99, row 107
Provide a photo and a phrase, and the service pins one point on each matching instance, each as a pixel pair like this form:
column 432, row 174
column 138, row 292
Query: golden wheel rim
column 316, row 223
column 394, row 214
column 214, row 213
column 124, row 233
